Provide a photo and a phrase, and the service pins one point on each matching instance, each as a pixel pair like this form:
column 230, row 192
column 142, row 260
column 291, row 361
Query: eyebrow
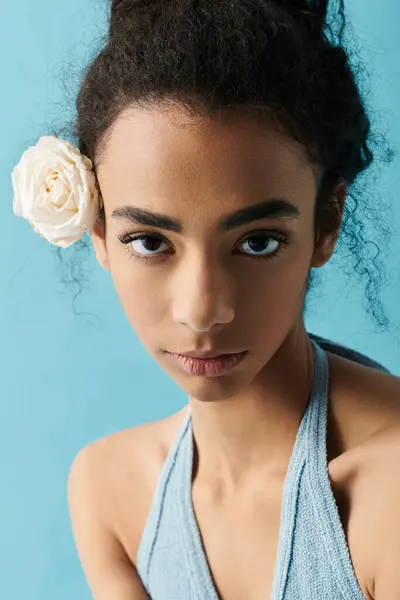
column 274, row 208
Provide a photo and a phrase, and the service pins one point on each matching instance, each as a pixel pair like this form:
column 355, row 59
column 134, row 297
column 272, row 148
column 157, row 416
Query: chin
column 210, row 389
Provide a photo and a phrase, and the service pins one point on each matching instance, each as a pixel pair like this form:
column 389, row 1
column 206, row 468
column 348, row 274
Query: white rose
column 55, row 189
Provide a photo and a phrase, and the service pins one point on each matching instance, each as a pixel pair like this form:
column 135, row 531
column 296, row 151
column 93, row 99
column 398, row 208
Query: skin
column 205, row 288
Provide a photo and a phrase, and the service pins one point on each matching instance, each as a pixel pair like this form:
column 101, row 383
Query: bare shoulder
column 126, row 466
column 365, row 416
column 365, row 411
column 105, row 562
column 365, row 402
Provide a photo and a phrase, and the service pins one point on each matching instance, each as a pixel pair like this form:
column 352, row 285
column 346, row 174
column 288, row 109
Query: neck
column 239, row 438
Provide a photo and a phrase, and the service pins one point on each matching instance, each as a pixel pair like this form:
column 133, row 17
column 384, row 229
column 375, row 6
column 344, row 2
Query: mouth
column 207, row 367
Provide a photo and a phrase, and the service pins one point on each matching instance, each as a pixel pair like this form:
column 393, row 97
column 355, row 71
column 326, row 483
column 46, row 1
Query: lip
column 211, row 367
column 204, row 355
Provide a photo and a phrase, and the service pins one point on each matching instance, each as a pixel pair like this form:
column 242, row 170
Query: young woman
column 226, row 138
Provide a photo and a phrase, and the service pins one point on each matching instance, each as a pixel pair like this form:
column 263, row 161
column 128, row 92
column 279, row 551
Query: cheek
column 139, row 293
column 273, row 296
column 279, row 280
column 292, row 279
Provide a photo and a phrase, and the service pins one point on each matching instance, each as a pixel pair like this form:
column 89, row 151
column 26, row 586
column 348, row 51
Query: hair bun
column 313, row 13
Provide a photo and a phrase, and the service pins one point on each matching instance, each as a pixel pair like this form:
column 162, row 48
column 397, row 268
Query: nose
column 203, row 296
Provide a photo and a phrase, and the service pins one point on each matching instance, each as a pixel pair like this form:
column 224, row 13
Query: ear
column 329, row 226
column 99, row 242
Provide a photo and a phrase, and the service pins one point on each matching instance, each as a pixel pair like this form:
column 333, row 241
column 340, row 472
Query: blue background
column 67, row 380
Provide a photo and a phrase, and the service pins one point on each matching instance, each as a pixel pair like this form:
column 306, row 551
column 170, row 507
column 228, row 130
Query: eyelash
column 127, row 238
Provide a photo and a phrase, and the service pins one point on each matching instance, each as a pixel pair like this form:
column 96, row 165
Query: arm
column 109, row 572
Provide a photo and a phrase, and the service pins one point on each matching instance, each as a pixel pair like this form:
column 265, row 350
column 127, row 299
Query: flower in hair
column 55, row 190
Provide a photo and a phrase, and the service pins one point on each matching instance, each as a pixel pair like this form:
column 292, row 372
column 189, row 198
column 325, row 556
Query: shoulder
column 365, row 416
column 126, row 455
column 129, row 449
column 366, row 410
column 365, row 401
column 125, row 468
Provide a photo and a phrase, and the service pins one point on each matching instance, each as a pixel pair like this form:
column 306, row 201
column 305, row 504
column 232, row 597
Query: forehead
column 164, row 152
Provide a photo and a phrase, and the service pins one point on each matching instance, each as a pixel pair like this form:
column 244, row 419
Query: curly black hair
column 271, row 58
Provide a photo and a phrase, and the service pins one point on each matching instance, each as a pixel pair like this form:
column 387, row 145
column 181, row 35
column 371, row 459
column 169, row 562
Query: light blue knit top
column 313, row 560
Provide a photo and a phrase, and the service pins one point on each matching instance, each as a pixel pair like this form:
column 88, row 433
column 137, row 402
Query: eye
column 257, row 242
column 150, row 242
column 261, row 241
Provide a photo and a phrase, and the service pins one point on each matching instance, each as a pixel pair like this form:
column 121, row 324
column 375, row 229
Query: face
column 198, row 277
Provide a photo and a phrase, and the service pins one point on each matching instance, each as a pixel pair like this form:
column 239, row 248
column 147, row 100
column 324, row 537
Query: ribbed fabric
column 313, row 560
